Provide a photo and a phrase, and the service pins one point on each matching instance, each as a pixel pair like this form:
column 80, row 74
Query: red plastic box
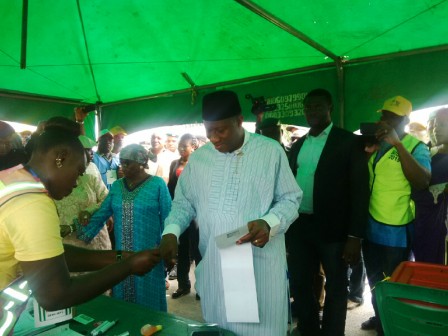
column 421, row 274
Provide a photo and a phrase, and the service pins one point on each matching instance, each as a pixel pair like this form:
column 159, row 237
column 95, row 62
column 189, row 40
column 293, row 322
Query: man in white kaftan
column 225, row 185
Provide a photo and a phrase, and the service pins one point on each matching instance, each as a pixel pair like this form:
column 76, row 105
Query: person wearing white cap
column 84, row 200
column 106, row 161
column 401, row 164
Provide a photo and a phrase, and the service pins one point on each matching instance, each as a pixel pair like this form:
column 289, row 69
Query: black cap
column 220, row 105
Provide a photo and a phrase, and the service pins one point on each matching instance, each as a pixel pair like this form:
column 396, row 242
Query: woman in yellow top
column 30, row 241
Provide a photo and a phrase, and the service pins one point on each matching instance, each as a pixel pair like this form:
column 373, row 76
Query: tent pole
column 99, row 118
column 341, row 91
column 24, row 38
column 286, row 27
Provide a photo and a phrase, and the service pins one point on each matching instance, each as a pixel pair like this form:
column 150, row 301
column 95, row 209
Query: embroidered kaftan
column 223, row 191
column 87, row 196
column 138, row 224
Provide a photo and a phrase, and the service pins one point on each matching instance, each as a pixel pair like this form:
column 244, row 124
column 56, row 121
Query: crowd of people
column 322, row 212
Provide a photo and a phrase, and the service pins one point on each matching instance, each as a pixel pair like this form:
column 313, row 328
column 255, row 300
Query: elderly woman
column 139, row 203
column 84, row 200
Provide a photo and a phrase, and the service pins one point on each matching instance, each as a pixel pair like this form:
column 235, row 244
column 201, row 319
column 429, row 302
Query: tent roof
column 111, row 51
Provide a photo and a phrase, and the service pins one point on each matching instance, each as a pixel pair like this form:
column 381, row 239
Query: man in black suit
column 331, row 168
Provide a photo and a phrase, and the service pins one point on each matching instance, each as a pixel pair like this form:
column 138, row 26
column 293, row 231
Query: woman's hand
column 144, row 261
column 65, row 230
column 110, row 224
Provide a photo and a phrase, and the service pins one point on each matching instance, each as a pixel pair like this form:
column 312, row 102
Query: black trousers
column 306, row 251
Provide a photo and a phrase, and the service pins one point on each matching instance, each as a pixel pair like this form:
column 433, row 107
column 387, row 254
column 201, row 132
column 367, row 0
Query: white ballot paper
column 237, row 269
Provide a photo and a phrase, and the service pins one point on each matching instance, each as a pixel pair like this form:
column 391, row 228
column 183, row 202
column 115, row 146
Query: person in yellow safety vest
column 401, row 163
column 30, row 240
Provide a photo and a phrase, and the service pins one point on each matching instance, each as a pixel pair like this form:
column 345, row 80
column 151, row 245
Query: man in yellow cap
column 402, row 163
column 119, row 133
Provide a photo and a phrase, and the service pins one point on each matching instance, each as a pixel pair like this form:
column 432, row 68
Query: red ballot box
column 421, row 274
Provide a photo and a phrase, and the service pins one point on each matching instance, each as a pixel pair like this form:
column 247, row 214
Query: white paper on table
column 240, row 292
column 45, row 318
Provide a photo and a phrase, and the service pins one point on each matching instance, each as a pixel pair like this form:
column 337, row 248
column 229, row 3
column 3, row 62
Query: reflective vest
column 17, row 181
column 390, row 191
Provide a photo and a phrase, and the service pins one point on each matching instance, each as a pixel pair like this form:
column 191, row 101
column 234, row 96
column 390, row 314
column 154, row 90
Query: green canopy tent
column 148, row 63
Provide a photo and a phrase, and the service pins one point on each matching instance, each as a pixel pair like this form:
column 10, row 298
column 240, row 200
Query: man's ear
column 404, row 121
column 239, row 120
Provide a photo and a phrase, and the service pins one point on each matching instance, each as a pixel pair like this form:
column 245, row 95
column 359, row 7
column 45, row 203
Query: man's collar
column 325, row 132
column 239, row 151
column 107, row 156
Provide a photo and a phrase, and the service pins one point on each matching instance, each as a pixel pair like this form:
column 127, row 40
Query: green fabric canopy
column 114, row 51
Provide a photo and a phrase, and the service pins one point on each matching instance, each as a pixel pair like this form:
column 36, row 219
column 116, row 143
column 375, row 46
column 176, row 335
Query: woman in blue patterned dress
column 139, row 203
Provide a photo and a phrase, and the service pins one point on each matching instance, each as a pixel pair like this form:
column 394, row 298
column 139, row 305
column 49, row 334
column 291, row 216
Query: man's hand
column 80, row 114
column 352, row 251
column 387, row 133
column 258, row 233
column 144, row 261
column 168, row 250
column 84, row 217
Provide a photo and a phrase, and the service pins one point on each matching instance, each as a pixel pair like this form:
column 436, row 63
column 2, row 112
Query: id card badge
column 111, row 176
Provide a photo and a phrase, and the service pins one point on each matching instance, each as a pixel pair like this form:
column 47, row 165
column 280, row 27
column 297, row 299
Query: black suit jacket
column 341, row 186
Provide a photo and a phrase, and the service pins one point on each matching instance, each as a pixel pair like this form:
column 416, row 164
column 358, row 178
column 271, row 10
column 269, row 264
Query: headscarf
column 136, row 153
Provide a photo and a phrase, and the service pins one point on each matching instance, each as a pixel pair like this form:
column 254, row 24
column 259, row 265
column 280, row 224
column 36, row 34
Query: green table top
column 131, row 317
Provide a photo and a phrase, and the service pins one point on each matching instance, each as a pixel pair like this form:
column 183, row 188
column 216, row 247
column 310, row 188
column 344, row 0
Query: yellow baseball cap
column 117, row 130
column 398, row 105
